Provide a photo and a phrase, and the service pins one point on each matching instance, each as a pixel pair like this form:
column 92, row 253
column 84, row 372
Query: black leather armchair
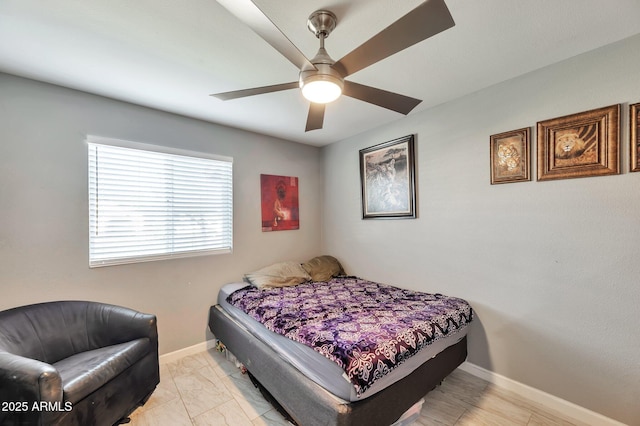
column 75, row 363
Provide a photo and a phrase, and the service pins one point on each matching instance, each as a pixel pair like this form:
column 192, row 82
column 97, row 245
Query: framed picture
column 279, row 201
column 580, row 145
column 634, row 136
column 387, row 177
column 510, row 156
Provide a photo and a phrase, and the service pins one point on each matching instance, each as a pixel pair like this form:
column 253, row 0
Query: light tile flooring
column 206, row 389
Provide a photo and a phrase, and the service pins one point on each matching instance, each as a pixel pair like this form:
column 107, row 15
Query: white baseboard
column 191, row 350
column 560, row 405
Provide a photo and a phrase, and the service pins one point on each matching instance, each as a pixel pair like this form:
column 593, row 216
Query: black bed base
column 310, row 404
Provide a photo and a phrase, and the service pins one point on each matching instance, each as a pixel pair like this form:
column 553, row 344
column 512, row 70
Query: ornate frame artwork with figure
column 510, row 156
column 387, row 175
column 279, row 201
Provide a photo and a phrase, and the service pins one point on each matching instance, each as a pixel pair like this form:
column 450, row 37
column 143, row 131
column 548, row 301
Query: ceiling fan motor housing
column 323, row 70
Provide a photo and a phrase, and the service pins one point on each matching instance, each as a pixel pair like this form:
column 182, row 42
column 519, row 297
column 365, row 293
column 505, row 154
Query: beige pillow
column 323, row 268
column 278, row 275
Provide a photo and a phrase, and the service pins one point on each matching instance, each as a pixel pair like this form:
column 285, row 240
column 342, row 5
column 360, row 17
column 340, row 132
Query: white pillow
column 281, row 274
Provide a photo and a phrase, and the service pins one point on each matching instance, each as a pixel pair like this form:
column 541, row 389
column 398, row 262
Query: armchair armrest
column 111, row 324
column 24, row 379
column 23, row 383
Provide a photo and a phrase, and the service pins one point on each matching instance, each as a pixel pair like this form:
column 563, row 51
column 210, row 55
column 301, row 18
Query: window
column 149, row 203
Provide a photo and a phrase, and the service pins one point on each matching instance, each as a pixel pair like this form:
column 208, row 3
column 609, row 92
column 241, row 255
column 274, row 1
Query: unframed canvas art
column 280, row 210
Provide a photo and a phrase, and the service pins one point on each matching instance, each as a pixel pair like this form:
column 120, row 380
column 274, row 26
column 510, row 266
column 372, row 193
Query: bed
column 310, row 344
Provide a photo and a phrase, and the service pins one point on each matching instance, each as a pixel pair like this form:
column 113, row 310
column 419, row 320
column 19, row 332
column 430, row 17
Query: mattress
column 321, row 370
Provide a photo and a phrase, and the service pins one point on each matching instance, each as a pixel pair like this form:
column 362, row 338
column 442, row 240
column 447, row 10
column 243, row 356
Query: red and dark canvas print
column 280, row 210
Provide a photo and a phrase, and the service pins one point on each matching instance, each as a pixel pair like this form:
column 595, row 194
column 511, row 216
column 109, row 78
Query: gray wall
column 44, row 216
column 551, row 268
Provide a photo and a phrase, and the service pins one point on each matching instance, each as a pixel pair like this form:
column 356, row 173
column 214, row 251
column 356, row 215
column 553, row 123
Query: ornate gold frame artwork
column 580, row 145
column 510, row 156
column 634, row 136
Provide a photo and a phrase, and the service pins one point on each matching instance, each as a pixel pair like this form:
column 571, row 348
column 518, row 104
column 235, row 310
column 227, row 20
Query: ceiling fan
column 321, row 79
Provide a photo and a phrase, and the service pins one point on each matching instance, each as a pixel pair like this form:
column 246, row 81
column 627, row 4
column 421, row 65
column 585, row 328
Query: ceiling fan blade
column 389, row 100
column 256, row 91
column 426, row 20
column 315, row 117
column 254, row 18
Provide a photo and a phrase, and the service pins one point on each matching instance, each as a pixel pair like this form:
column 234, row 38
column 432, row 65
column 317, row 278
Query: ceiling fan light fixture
column 321, row 88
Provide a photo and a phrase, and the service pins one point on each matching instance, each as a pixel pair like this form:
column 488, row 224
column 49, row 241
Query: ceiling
column 171, row 55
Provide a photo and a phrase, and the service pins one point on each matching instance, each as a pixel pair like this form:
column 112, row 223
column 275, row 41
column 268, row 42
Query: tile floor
column 206, row 389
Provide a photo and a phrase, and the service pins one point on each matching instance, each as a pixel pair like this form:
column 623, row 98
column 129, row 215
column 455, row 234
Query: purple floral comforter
column 367, row 328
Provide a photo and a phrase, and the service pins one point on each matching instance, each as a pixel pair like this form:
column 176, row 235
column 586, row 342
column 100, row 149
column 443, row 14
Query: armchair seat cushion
column 85, row 372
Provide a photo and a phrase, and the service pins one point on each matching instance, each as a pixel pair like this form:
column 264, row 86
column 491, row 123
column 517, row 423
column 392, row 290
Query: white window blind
column 146, row 205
